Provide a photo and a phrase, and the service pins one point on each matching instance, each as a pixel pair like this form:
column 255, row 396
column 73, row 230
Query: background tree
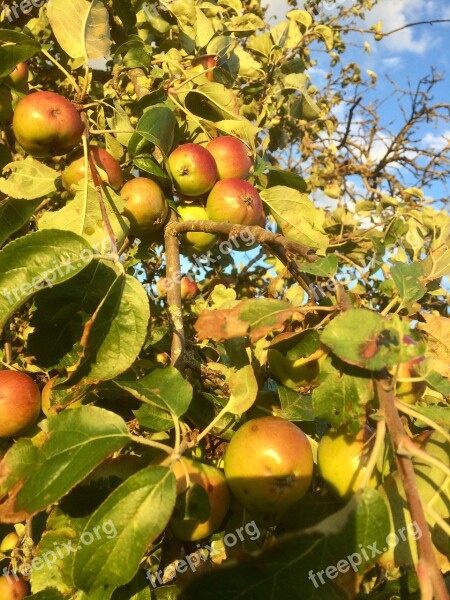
column 317, row 327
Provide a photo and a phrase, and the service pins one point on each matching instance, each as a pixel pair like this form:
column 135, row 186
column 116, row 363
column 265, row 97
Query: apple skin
column 9, row 542
column 195, row 242
column 234, row 201
column 189, row 289
column 268, row 465
column 13, row 589
column 20, row 403
column 214, row 483
column 19, row 76
column 74, row 172
column 342, row 457
column 145, row 205
column 295, row 374
column 47, row 124
column 409, row 391
column 207, row 62
column 6, row 110
column 193, row 169
column 231, row 156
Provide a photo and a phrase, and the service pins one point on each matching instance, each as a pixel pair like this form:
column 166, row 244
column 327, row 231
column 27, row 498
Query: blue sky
column 404, row 56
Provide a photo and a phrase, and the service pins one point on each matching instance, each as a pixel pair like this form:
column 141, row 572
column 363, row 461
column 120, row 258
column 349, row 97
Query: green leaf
column 29, row 179
column 148, row 164
column 289, row 567
column 18, row 48
column 83, row 216
column 433, row 484
column 136, row 589
column 80, row 27
column 35, row 261
column 295, row 406
column 408, row 280
column 297, row 216
column 324, row 267
column 243, row 390
column 163, row 391
column 116, row 333
column 14, row 214
column 157, row 125
column 363, row 338
column 277, row 177
column 139, row 509
column 75, row 442
column 214, row 102
column 326, row 33
column 193, row 504
column 246, row 23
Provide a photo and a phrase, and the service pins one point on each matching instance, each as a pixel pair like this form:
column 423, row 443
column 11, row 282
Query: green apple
column 195, row 242
column 145, row 205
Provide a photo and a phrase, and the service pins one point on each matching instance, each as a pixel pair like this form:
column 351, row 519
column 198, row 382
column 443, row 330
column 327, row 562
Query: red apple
column 47, row 124
column 189, row 289
column 12, row 588
column 207, row 62
column 20, row 403
column 231, row 156
column 193, row 169
column 19, row 76
column 234, row 201
column 74, row 172
column 145, row 205
column 6, row 110
column 269, row 465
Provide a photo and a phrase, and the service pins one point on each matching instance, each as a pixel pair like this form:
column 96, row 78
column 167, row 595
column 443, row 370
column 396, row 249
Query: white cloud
column 395, row 14
column 436, row 142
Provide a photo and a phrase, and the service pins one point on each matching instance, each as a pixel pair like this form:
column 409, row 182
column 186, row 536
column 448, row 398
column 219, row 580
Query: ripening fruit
column 19, row 75
column 9, row 542
column 409, row 391
column 20, row 403
column 231, row 156
column 47, row 124
column 213, row 481
column 195, row 242
column 193, row 169
column 342, row 459
column 235, row 201
column 6, row 110
column 12, row 588
column 75, row 172
column 207, row 62
column 145, row 205
column 189, row 288
column 269, row 465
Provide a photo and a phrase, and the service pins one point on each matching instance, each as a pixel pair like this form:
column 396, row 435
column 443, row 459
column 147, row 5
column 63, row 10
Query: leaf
column 19, row 48
column 301, row 16
column 294, row 406
column 139, row 509
column 438, row 330
column 256, row 317
column 289, row 567
column 277, row 177
column 157, row 125
column 115, row 334
column 75, row 442
column 244, row 130
column 408, row 280
column 246, row 23
column 14, row 214
column 29, row 179
column 35, row 261
column 433, row 484
column 84, row 217
column 297, row 216
column 323, row 267
column 165, row 390
column 363, row 338
column 214, row 102
column 243, row 390
column 326, row 33
column 80, row 27
column 204, row 28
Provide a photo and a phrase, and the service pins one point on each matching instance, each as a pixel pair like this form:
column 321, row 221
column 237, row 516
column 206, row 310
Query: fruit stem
column 75, row 85
column 376, row 451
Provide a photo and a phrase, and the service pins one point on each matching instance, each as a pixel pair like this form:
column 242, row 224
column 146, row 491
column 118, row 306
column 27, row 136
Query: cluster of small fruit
column 209, row 182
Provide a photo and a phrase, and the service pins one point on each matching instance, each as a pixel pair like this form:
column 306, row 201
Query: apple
column 20, row 403
column 231, row 156
column 207, row 62
column 9, row 542
column 234, row 201
column 193, row 169
column 409, row 391
column 342, row 459
column 74, row 171
column 268, row 465
column 213, row 481
column 12, row 588
column 47, row 124
column 195, row 242
column 189, row 288
column 19, row 76
column 6, row 110
column 145, row 205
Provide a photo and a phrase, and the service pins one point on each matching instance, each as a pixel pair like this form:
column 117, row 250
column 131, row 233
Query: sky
column 404, row 56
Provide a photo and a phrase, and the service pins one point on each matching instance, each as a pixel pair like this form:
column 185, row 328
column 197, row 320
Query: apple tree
column 230, row 311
